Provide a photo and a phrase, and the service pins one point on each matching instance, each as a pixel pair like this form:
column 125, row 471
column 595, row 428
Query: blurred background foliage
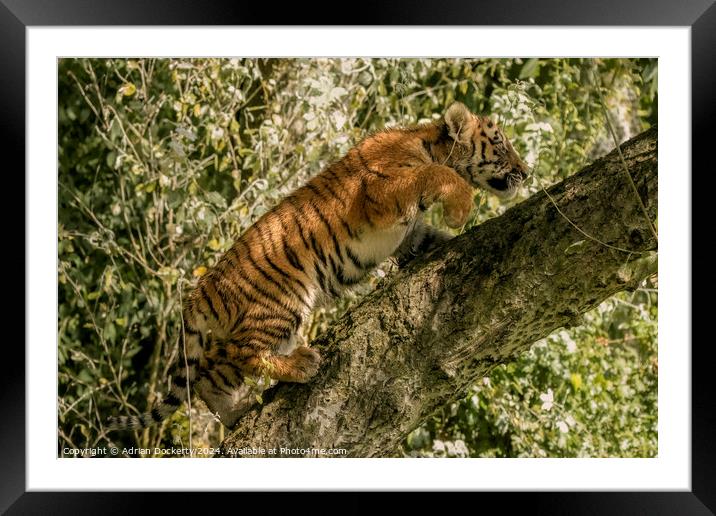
column 163, row 162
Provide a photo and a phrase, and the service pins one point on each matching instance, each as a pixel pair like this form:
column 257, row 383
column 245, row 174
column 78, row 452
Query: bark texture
column 435, row 328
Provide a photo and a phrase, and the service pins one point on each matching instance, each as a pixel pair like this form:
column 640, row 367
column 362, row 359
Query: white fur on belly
column 377, row 245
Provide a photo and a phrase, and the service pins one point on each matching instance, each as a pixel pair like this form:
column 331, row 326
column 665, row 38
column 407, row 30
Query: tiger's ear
column 460, row 122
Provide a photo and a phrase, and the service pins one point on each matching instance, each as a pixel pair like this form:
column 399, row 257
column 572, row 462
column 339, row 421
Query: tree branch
column 431, row 331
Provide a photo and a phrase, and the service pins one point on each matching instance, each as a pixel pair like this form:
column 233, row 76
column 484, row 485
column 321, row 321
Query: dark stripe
column 337, row 247
column 356, row 261
column 226, row 371
column 236, row 324
column 321, row 277
column 341, row 277
column 428, row 149
column 291, row 280
column 334, row 267
column 179, row 381
column 287, row 251
column 369, row 198
column 327, row 185
column 262, row 236
column 246, row 295
column 282, row 333
column 216, row 384
column 300, row 227
column 235, row 370
column 346, row 281
column 321, row 216
column 224, row 378
column 268, row 277
column 265, row 293
column 284, row 326
column 171, row 400
column 339, row 184
column 348, row 229
column 291, row 256
column 333, row 290
column 207, row 300
column 262, row 340
column 353, row 258
column 265, row 317
column 316, row 248
column 260, row 302
column 192, row 362
column 364, row 190
column 372, row 171
column 266, row 255
column 188, row 326
column 329, row 172
column 233, row 256
column 156, row 415
column 225, row 301
column 315, row 190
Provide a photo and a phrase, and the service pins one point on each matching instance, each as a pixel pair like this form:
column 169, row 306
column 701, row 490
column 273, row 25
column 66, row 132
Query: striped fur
column 321, row 240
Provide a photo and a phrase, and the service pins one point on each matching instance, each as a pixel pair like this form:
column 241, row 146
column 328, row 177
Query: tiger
column 241, row 321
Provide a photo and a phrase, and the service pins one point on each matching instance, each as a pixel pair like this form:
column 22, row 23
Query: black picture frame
column 17, row 15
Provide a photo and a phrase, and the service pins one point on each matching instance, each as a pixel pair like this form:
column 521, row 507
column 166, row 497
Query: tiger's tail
column 183, row 376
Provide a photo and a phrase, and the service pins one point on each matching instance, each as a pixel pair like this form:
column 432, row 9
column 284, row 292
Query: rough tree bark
column 431, row 331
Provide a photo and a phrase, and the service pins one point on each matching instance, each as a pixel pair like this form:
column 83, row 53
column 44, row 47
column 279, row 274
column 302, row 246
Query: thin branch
column 598, row 84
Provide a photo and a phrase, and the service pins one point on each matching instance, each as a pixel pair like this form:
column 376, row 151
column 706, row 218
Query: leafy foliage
column 163, row 162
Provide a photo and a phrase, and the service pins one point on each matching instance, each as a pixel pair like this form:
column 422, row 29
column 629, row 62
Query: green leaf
column 530, row 68
column 217, row 199
column 111, row 159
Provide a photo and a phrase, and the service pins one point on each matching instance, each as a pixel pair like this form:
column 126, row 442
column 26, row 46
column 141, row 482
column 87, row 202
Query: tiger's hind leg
column 237, row 374
column 272, row 351
column 299, row 366
column 227, row 403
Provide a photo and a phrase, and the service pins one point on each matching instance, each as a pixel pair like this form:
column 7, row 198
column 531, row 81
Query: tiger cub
column 241, row 320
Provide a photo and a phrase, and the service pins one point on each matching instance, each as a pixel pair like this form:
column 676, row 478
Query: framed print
column 341, row 255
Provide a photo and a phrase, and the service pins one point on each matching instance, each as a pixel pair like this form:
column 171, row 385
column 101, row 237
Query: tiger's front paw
column 457, row 208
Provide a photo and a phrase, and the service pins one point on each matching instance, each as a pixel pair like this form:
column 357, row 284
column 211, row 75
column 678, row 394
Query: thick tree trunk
column 431, row 331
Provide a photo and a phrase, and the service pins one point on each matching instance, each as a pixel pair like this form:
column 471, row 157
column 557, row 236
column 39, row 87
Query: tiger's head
column 481, row 153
